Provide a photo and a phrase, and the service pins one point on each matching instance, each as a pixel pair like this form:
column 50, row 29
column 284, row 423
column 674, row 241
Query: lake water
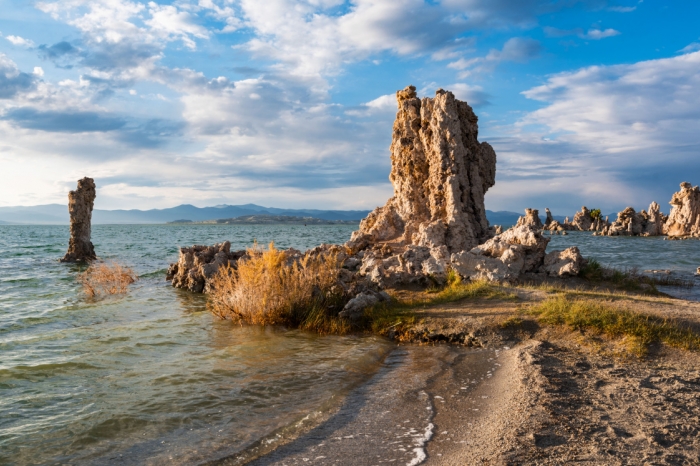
column 152, row 377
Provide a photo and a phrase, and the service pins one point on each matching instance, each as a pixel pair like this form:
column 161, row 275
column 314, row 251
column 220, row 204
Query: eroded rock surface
column 566, row 263
column 583, row 220
column 532, row 218
column 440, row 172
column 632, row 223
column 198, row 265
column 684, row 219
column 505, row 257
column 80, row 204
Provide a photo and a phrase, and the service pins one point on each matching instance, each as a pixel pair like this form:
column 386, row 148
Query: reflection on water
column 151, row 378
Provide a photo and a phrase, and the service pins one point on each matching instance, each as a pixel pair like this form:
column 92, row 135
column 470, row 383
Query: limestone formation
column 532, row 218
column 684, row 219
column 440, row 172
column 197, row 265
column 504, row 258
column 631, row 223
column 583, row 220
column 80, row 204
column 548, row 221
column 566, row 263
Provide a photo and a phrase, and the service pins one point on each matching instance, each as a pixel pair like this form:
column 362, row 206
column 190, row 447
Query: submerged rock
column 684, row 219
column 80, row 204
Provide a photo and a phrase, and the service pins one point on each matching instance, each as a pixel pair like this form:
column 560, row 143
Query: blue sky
column 290, row 103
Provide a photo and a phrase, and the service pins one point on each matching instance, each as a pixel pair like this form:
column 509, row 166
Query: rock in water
column 80, row 204
column 631, row 223
column 583, row 220
column 684, row 219
column 440, row 173
column 549, row 219
column 532, row 218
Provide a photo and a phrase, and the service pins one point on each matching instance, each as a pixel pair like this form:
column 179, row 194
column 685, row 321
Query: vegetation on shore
column 106, row 278
column 630, row 279
column 266, row 289
column 586, row 315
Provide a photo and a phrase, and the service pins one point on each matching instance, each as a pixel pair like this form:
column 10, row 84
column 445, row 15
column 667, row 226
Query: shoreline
column 531, row 395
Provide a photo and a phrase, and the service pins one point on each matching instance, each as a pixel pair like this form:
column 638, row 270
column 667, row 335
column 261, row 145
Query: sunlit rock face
column 684, row 219
column 440, row 172
column 532, row 218
column 632, row 223
column 80, row 204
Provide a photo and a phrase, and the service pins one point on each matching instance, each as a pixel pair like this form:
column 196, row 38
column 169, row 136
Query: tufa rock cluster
column 440, row 172
column 684, row 219
column 80, row 204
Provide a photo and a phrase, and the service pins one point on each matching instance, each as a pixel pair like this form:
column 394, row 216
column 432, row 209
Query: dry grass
column 640, row 330
column 267, row 290
column 106, row 278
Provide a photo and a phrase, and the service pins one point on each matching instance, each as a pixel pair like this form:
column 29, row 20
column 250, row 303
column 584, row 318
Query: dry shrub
column 106, row 278
column 266, row 289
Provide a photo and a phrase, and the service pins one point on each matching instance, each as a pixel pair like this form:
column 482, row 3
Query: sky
column 291, row 103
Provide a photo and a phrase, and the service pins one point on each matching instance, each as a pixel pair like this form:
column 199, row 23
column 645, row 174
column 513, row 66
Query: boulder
column 532, row 218
column 198, row 265
column 355, row 308
column 684, row 219
column 566, row 263
column 80, row 204
column 503, row 258
column 440, row 173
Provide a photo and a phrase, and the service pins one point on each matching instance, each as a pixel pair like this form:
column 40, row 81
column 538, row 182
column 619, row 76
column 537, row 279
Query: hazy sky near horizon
column 290, row 103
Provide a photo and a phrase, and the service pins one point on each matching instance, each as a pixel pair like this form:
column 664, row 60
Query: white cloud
column 693, row 47
column 39, row 71
column 597, row 34
column 516, row 49
column 20, row 41
column 168, row 22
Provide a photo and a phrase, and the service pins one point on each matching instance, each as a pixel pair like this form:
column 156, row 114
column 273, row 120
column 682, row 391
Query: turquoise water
column 152, row 377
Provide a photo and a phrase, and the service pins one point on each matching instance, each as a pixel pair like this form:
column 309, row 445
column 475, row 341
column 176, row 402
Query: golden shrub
column 268, row 289
column 106, row 278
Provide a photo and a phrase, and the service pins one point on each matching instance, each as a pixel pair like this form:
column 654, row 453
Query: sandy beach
column 529, row 395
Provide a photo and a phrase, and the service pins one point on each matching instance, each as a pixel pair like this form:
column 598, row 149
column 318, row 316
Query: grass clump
column 269, row 289
column 106, row 278
column 630, row 279
column 641, row 330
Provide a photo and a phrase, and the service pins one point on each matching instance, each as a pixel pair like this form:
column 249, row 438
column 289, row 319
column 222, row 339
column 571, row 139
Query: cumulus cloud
column 592, row 34
column 630, row 128
column 516, row 49
column 12, row 80
column 20, row 41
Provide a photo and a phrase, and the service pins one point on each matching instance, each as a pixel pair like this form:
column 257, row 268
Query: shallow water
column 151, row 378
column 651, row 255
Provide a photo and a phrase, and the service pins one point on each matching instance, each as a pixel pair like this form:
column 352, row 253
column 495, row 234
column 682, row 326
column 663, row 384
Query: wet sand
column 556, row 397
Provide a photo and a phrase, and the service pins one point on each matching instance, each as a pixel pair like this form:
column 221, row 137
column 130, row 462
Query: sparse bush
column 106, row 278
column 267, row 289
column 596, row 213
column 592, row 271
column 640, row 329
column 630, row 279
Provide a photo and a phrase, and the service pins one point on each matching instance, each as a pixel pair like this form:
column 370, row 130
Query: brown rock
column 80, row 204
column 583, row 220
column 566, row 263
column 631, row 223
column 684, row 219
column 532, row 218
column 549, row 218
column 197, row 265
column 440, row 172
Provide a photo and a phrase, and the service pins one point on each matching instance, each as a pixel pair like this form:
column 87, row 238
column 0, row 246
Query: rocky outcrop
column 631, row 223
column 503, row 258
column 532, row 218
column 355, row 308
column 548, row 221
column 198, row 265
column 440, row 172
column 684, row 219
column 80, row 204
column 583, row 220
column 566, row 263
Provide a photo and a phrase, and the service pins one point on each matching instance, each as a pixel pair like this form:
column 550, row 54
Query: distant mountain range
column 57, row 214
